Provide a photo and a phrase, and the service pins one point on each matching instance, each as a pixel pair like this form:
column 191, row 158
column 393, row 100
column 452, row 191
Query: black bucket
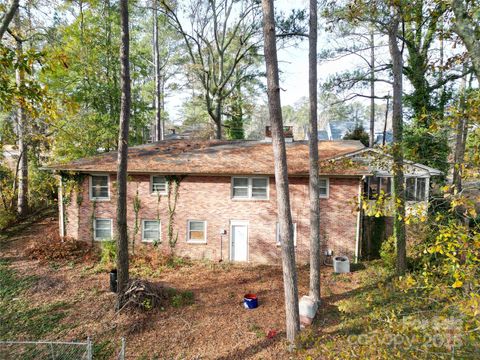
column 113, row 280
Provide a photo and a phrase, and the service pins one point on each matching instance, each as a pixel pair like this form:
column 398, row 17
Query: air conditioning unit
column 341, row 265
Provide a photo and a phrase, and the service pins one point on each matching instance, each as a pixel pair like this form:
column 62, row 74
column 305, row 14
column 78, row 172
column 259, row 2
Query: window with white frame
column 250, row 188
column 158, row 185
column 277, row 234
column 197, row 231
column 99, row 188
column 323, row 187
column 151, row 230
column 415, row 189
column 102, row 229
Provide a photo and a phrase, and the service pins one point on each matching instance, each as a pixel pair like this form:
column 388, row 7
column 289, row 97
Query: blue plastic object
column 250, row 301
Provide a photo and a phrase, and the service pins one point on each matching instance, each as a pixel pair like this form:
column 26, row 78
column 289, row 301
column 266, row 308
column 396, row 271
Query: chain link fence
column 54, row 350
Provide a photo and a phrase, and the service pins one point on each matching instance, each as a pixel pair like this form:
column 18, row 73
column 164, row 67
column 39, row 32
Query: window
column 416, row 189
column 102, row 229
column 323, row 187
column 99, row 187
column 197, row 231
column 421, row 189
column 158, row 185
column 386, row 185
column 259, row 188
column 250, row 188
column 240, row 188
column 151, row 230
column 277, row 232
column 410, row 189
column 375, row 185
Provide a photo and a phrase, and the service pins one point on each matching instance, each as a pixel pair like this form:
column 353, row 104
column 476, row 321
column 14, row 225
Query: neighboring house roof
column 388, row 137
column 217, row 157
column 381, row 163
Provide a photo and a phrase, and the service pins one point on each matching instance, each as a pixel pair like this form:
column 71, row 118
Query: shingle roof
column 217, row 157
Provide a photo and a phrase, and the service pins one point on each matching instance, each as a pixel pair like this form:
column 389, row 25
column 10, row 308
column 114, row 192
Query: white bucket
column 307, row 307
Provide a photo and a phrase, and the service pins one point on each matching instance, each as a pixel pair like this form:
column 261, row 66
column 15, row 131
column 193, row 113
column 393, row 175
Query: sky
column 293, row 65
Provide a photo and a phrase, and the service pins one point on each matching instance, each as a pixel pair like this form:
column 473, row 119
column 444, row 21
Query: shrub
column 182, row 298
column 108, row 254
column 7, row 218
column 388, row 253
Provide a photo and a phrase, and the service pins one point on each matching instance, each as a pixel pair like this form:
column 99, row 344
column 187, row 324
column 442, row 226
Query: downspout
column 359, row 219
column 61, row 214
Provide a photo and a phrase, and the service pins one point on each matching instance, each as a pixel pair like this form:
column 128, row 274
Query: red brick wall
column 208, row 198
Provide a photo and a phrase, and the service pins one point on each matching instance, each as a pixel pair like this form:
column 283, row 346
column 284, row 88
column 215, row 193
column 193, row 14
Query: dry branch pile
column 51, row 246
column 146, row 295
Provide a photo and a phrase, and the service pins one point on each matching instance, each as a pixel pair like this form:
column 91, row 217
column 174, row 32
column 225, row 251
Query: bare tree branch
column 8, row 17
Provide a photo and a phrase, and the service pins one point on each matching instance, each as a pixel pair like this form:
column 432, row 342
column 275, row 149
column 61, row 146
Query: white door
column 239, row 241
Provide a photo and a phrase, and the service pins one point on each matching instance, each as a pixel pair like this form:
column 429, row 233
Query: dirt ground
column 215, row 326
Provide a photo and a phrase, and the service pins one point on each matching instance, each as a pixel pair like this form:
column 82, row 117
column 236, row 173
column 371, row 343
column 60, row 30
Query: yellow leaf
column 457, row 284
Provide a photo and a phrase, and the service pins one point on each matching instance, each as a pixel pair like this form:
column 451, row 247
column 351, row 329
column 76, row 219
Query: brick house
column 226, row 205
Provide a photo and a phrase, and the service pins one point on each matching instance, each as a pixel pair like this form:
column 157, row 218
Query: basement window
column 277, row 232
column 158, row 185
column 255, row 188
column 151, row 230
column 102, row 229
column 197, row 231
column 99, row 188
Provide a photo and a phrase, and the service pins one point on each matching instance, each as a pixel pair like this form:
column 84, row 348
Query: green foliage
column 388, row 253
column 108, row 255
column 18, row 318
column 173, row 193
column 357, row 133
column 136, row 208
column 427, row 145
column 7, row 197
column 181, row 298
column 103, row 350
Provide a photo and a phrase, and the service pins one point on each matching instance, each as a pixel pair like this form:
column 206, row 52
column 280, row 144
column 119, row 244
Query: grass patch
column 381, row 320
column 181, row 298
column 103, row 350
column 12, row 286
column 17, row 317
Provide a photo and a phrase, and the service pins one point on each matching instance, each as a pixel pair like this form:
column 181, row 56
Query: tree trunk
column 397, row 125
column 160, row 131
column 8, row 17
column 22, row 197
column 218, row 119
column 281, row 174
column 384, row 140
column 122, row 236
column 371, row 138
column 465, row 27
column 313, row 157
column 461, row 133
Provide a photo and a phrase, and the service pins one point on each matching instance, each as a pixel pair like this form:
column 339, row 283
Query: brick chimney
column 287, row 133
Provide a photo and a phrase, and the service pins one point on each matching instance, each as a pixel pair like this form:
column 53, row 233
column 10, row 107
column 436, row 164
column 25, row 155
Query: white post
column 61, row 215
column 359, row 219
